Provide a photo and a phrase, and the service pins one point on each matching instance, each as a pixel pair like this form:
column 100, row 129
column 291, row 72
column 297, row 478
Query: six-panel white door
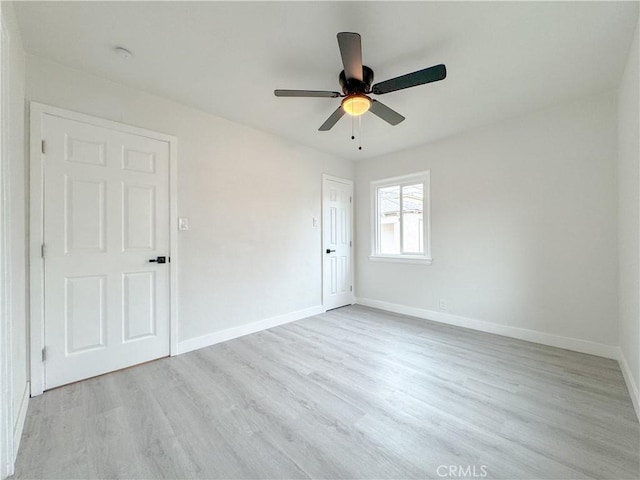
column 106, row 214
column 337, row 244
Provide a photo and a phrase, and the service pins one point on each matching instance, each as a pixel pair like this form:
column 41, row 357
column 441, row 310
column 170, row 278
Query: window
column 400, row 219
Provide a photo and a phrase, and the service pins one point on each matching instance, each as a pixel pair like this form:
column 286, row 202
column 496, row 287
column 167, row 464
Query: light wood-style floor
column 353, row 393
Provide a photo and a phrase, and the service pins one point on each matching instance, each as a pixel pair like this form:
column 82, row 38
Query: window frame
column 401, row 181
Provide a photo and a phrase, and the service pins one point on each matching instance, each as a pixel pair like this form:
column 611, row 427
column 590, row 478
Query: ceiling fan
column 356, row 80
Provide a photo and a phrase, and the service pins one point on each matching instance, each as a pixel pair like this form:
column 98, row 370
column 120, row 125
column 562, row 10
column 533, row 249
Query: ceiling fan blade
column 351, row 52
column 385, row 113
column 428, row 75
column 305, row 93
column 332, row 120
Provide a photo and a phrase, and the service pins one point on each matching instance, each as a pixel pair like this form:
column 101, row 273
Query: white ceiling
column 503, row 59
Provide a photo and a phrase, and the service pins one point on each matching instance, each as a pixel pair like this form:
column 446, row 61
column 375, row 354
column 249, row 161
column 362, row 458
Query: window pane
column 412, row 217
column 389, row 219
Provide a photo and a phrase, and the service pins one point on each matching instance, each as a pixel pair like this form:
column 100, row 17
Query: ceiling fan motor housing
column 354, row 85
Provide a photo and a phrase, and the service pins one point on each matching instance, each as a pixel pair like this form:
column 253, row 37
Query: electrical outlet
column 443, row 304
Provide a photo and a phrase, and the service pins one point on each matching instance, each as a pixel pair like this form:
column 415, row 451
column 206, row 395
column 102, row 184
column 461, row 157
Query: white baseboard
column 568, row 343
column 253, row 327
column 631, row 384
column 20, row 419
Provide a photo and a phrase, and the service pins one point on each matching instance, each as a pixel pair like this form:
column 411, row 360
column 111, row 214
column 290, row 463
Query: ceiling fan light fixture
column 356, row 104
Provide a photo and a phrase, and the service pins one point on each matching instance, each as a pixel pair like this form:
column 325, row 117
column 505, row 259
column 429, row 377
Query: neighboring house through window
column 400, row 219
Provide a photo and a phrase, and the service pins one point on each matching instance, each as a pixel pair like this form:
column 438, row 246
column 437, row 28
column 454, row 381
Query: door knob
column 159, row 260
column 330, row 251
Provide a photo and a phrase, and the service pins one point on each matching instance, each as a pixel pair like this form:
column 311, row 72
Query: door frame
column 351, row 225
column 36, row 228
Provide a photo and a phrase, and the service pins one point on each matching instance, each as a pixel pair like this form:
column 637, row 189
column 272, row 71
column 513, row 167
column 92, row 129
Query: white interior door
column 337, row 245
column 106, row 214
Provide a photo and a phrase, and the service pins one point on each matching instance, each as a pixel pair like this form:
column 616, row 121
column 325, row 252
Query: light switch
column 183, row 223
column 315, row 222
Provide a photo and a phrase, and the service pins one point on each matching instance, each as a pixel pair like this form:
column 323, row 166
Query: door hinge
column 43, row 146
column 350, row 243
column 43, row 250
column 350, row 199
column 351, row 288
column 44, row 354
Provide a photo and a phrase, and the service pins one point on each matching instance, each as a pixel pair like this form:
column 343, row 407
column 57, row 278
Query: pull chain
column 353, row 119
column 353, row 130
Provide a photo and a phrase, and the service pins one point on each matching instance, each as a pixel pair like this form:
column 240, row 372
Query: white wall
column 251, row 252
column 629, row 216
column 17, row 234
column 523, row 224
column 18, row 209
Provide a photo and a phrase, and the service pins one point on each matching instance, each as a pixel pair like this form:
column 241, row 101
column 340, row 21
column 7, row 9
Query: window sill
column 417, row 260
